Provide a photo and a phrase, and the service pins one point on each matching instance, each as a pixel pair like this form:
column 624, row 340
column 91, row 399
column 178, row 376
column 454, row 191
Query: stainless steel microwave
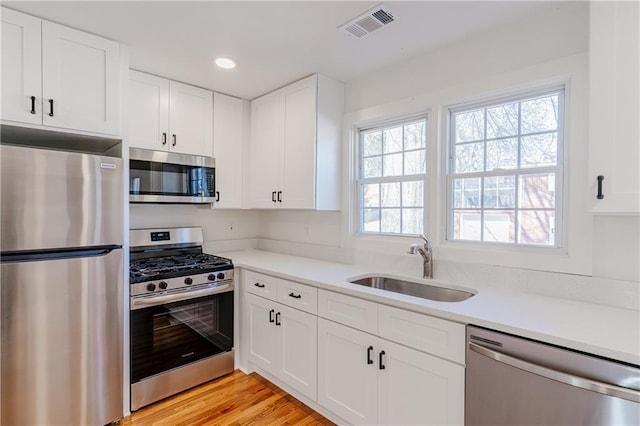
column 166, row 177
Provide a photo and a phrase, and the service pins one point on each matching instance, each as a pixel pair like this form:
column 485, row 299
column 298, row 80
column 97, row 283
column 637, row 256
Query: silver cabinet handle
column 142, row 302
column 558, row 376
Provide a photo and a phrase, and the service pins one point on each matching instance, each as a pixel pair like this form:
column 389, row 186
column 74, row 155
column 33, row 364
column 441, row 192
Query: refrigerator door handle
column 559, row 376
column 40, row 255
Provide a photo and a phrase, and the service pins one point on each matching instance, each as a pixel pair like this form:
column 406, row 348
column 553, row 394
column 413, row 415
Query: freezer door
column 61, row 323
column 55, row 199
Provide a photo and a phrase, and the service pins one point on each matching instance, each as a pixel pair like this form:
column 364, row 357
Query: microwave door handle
column 558, row 376
column 160, row 300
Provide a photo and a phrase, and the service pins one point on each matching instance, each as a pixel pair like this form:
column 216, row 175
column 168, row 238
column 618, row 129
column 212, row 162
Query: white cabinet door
column 148, row 111
column 347, row 382
column 80, row 74
column 416, row 388
column 190, row 119
column 266, row 152
column 298, row 349
column 298, row 187
column 21, row 67
column 614, row 90
column 228, row 149
column 263, row 347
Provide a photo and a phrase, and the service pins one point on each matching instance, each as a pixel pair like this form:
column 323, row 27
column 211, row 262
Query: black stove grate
column 162, row 267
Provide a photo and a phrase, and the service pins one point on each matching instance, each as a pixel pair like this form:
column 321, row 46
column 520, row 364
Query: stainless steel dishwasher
column 516, row 381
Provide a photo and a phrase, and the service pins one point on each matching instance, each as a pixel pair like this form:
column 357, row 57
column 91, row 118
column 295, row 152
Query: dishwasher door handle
column 558, row 376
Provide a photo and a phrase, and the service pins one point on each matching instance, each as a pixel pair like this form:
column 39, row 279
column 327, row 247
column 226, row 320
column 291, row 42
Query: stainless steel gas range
column 181, row 313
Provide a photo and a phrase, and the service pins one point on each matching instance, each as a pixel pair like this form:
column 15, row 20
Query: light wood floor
column 236, row 399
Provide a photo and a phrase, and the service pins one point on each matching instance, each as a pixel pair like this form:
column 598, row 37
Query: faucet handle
column 426, row 240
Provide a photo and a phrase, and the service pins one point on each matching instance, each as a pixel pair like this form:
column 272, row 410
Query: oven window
column 175, row 334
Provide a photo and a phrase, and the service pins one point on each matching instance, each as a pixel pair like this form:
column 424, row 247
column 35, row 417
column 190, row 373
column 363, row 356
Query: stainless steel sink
column 425, row 291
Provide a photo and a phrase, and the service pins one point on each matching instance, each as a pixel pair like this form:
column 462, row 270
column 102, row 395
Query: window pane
column 469, row 126
column 538, row 191
column 372, row 143
column 502, row 121
column 413, row 194
column 469, row 157
column 392, row 165
column 466, row 225
column 539, row 150
column 371, row 220
column 390, row 155
column 390, row 194
column 499, row 226
column 372, row 167
column 536, row 227
column 466, row 193
column 390, row 221
column 414, row 162
column 393, row 139
column 412, row 221
column 539, row 115
column 371, row 195
column 502, row 154
column 414, row 135
column 499, row 192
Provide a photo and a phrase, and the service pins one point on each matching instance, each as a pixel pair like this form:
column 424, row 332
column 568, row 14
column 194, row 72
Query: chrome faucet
column 427, row 256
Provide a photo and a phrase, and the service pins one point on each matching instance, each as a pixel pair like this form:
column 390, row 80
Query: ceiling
column 274, row 43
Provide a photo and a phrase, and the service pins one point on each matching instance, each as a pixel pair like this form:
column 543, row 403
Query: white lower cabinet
column 347, row 379
column 365, row 362
column 418, row 388
column 283, row 341
column 368, row 380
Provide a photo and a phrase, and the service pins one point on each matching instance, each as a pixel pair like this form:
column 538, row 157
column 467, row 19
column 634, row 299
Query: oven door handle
column 143, row 302
column 559, row 376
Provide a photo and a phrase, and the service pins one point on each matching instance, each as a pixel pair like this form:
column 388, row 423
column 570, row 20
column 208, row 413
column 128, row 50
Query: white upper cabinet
column 190, row 119
column 148, row 111
column 21, row 67
column 295, row 146
column 614, row 73
column 166, row 115
column 230, row 131
column 58, row 77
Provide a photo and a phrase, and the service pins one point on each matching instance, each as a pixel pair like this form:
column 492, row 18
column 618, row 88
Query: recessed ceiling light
column 225, row 63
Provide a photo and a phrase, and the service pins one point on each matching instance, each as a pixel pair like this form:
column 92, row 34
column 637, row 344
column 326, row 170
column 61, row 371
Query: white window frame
column 559, row 169
column 360, row 180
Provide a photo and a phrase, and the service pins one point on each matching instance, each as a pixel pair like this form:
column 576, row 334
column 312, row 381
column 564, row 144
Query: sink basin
column 425, row 291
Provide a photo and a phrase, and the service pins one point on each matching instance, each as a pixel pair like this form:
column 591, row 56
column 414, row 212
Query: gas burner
column 157, row 268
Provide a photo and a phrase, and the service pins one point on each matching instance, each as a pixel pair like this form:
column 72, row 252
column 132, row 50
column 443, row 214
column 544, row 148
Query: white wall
column 536, row 39
column 506, row 56
column 223, row 230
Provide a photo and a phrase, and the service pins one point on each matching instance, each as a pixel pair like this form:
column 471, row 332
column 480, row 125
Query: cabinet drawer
column 298, row 296
column 347, row 310
column 260, row 284
column 439, row 337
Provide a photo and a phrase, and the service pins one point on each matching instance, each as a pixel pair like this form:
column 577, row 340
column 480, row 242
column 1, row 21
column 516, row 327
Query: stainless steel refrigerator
column 61, row 287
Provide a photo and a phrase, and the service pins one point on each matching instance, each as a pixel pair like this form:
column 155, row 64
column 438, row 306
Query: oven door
column 171, row 335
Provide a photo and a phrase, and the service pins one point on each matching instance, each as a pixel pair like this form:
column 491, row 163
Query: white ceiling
column 274, row 43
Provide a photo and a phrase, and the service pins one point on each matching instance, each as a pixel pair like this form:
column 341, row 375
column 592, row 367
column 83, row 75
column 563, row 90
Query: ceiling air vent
column 368, row 22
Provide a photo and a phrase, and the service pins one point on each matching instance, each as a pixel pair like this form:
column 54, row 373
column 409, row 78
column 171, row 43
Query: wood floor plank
column 237, row 399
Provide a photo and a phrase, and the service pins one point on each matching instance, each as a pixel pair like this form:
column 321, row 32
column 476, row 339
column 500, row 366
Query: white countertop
column 602, row 330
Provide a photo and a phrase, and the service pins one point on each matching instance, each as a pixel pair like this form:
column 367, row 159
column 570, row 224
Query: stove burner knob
column 220, row 276
column 163, row 285
column 151, row 286
column 188, row 281
column 211, row 277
